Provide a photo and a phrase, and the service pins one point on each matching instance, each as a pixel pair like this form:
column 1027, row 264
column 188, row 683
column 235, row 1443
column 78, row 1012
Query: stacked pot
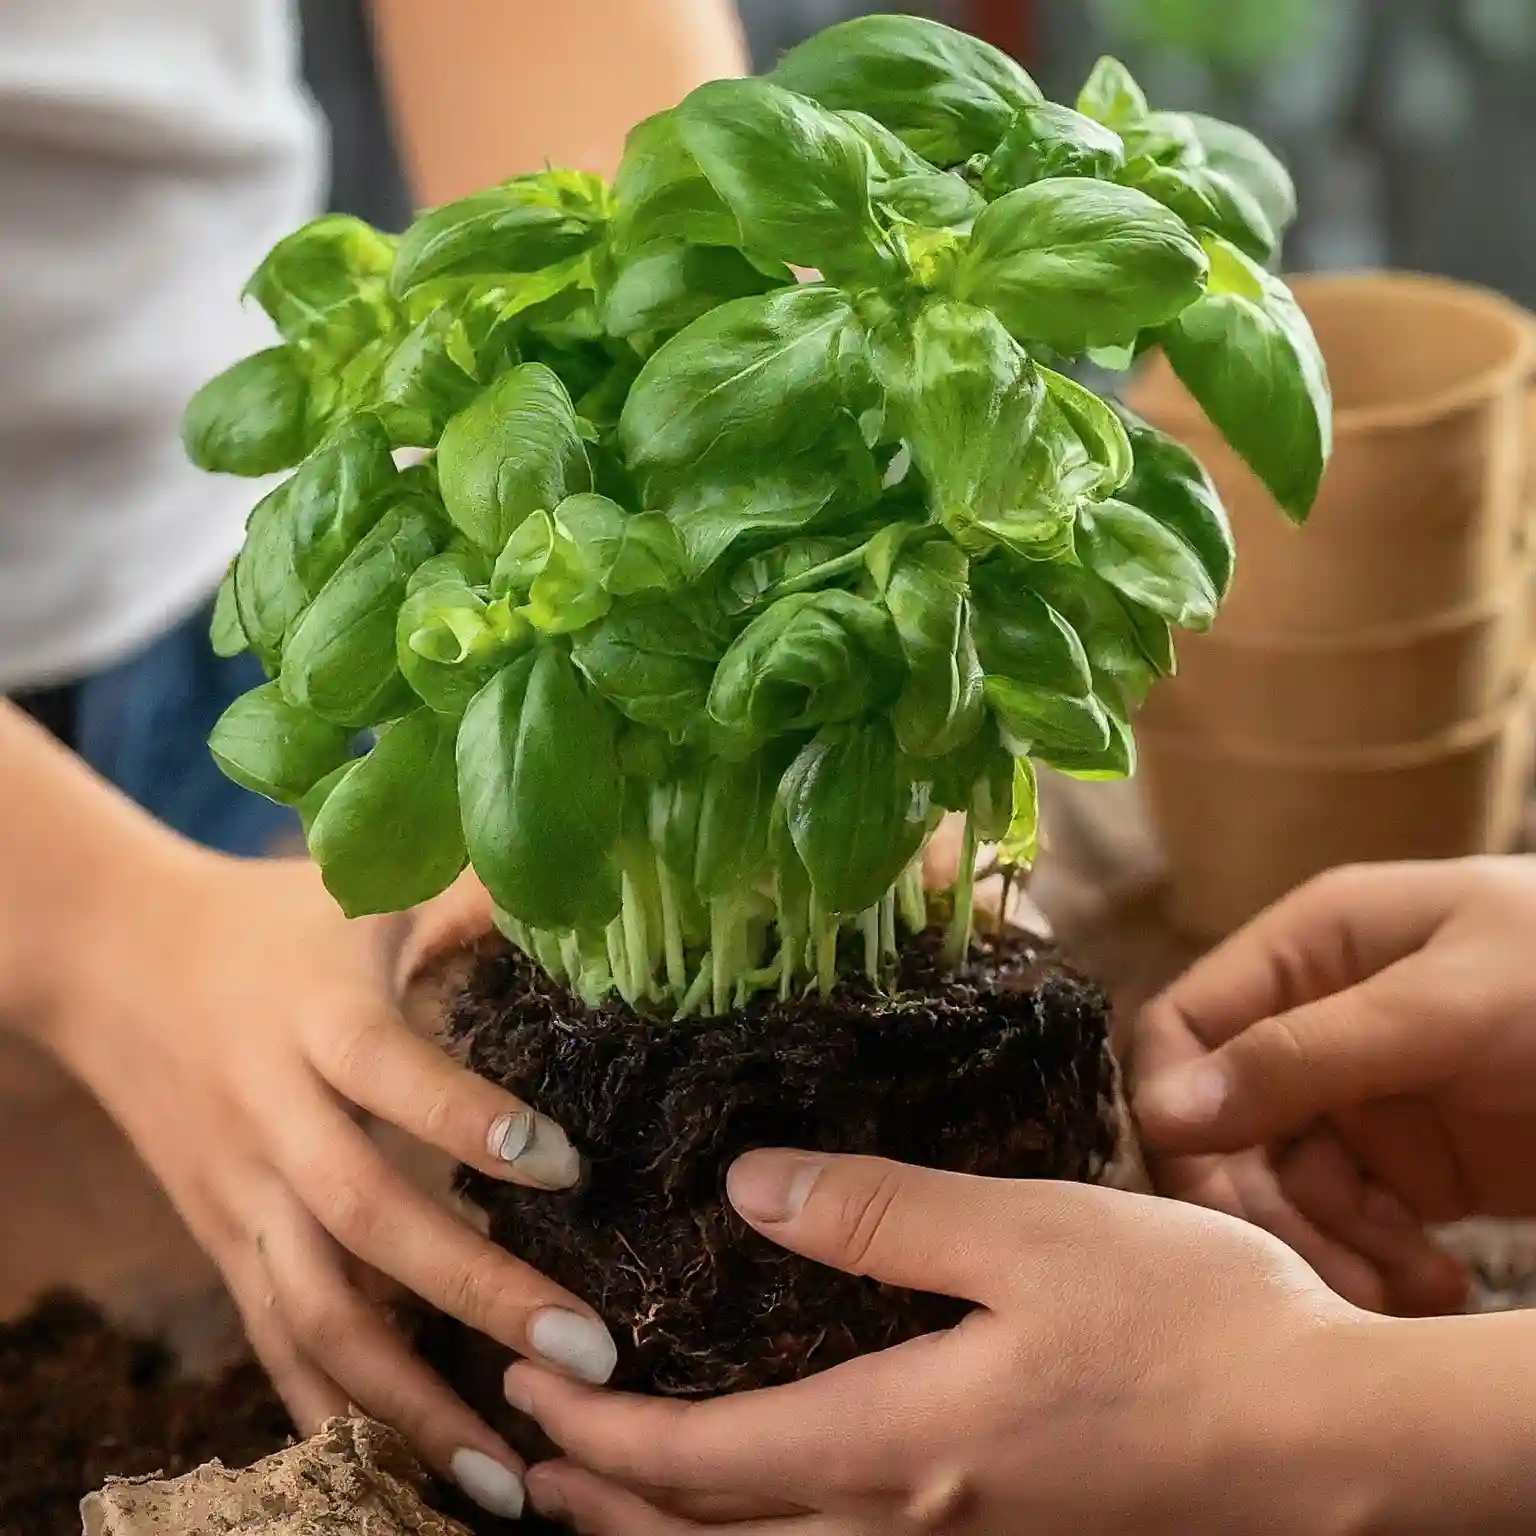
column 1364, row 695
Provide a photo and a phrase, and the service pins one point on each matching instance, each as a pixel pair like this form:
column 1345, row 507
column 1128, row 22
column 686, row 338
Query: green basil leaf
column 340, row 659
column 667, row 286
column 735, row 813
column 631, row 552
column 1020, row 844
column 894, row 161
column 976, row 778
column 326, row 277
column 1046, row 140
column 1047, row 725
column 449, row 641
column 654, row 659
column 269, row 594
column 824, row 486
column 1111, row 95
column 970, row 396
column 761, row 578
column 424, row 383
column 934, row 200
column 1170, row 484
column 268, row 745
column 1018, row 634
column 1207, row 199
column 225, row 633
column 1116, row 760
column 460, row 563
column 795, row 175
column 1127, row 647
column 559, row 577
column 387, row 836
column 660, row 194
column 541, row 795
column 250, row 419
column 1105, row 462
column 1143, row 561
column 1248, row 355
column 524, row 225
column 753, row 380
column 947, row 95
column 337, row 495
column 514, row 450
column 1236, row 153
column 1076, row 263
column 806, row 660
column 940, row 706
column 853, row 812
column 309, row 807
column 1168, row 138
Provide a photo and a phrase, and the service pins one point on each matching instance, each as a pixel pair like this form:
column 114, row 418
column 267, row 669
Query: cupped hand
column 238, row 1027
column 1135, row 1365
column 1357, row 1065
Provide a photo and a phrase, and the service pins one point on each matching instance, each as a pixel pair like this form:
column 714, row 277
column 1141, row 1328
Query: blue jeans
column 143, row 725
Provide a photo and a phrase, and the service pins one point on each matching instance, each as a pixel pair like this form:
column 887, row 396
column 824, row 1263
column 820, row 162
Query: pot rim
column 1518, row 368
column 1459, row 741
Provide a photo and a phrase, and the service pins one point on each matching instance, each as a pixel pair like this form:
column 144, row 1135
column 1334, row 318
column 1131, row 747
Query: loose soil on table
column 80, row 1401
column 1003, row 1070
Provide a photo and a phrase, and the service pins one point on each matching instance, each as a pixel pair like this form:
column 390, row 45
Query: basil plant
column 711, row 589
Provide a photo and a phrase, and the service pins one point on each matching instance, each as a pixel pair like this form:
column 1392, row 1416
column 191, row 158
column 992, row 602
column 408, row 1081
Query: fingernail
column 1382, row 1208
column 496, row 1489
column 537, row 1148
column 575, row 1345
column 1193, row 1095
column 516, row 1393
column 772, row 1187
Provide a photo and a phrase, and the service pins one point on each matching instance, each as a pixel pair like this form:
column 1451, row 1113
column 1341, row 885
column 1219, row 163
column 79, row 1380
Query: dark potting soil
column 1002, row 1070
column 81, row 1401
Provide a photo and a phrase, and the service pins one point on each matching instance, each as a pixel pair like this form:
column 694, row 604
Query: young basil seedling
column 716, row 589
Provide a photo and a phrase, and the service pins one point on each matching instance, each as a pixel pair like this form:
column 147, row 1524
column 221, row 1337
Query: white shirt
column 150, row 153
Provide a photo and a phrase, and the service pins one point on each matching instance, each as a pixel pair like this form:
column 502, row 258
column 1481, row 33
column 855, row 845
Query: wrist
column 1423, row 1427
column 76, row 861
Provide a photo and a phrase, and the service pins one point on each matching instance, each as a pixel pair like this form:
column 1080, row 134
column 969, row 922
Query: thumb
column 1285, row 1071
column 914, row 1227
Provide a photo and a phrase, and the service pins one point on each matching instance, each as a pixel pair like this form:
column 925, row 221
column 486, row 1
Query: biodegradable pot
column 1423, row 508
column 1240, row 827
column 1375, row 688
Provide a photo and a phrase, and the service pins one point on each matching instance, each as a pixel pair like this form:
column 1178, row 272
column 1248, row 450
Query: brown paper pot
column 1240, row 828
column 1378, row 688
column 1422, row 510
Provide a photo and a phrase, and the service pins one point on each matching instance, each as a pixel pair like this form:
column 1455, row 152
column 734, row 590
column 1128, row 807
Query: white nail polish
column 537, row 1148
column 575, row 1345
column 495, row 1488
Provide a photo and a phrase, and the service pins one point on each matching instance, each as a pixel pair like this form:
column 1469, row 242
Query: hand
column 235, row 1024
column 1358, row 1063
column 1137, row 1366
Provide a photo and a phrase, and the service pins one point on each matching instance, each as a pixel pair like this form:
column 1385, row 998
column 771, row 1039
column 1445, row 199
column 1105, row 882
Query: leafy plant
column 717, row 589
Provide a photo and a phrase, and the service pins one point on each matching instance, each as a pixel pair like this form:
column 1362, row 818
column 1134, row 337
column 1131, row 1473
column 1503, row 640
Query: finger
column 381, row 1066
column 341, row 1335
column 1322, row 1181
column 380, row 1218
column 1332, row 933
column 594, row 1507
column 310, row 1396
column 842, row 1434
column 1280, row 1074
column 918, row 1228
column 1264, row 1203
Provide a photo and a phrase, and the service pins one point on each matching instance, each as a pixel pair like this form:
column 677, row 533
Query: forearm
column 483, row 90
column 72, row 851
column 1432, row 1427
